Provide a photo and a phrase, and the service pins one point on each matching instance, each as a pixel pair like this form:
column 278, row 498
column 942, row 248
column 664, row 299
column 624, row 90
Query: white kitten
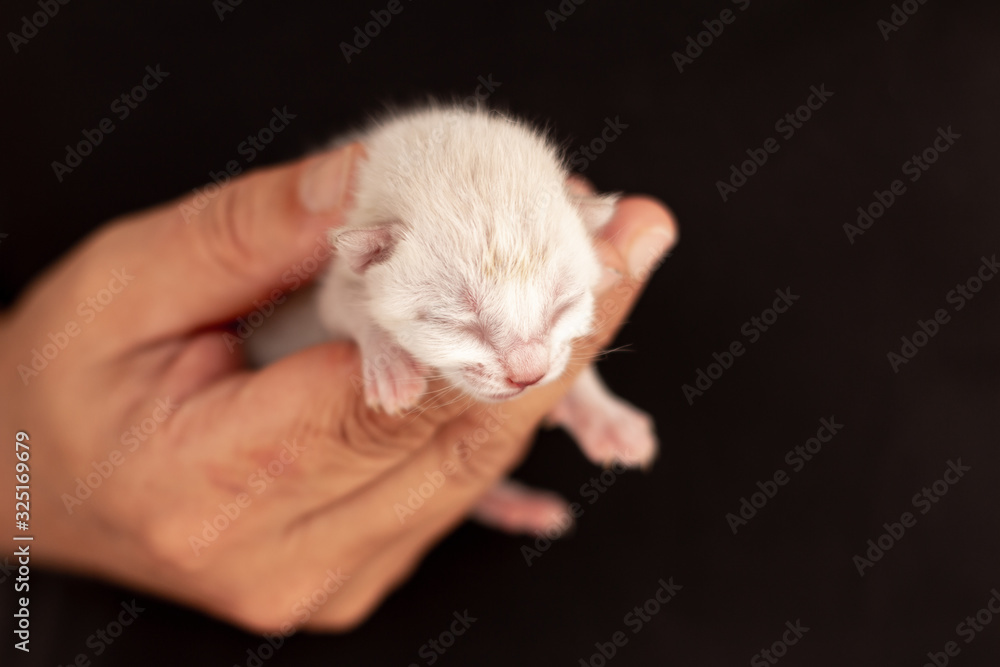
column 466, row 256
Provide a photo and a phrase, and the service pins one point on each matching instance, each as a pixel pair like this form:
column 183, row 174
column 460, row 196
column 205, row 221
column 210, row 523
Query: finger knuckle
column 372, row 432
column 226, row 237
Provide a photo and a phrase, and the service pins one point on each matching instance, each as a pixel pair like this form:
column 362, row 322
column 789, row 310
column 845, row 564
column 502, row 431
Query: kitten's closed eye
column 476, row 329
column 561, row 309
column 472, row 327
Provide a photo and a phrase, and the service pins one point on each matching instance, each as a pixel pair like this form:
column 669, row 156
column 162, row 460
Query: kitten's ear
column 363, row 248
column 595, row 210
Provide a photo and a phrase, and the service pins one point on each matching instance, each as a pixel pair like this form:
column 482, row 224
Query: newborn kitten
column 465, row 256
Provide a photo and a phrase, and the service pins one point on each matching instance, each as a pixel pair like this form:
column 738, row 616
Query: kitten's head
column 493, row 305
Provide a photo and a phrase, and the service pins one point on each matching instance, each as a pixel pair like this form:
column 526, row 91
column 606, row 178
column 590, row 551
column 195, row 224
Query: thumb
column 196, row 264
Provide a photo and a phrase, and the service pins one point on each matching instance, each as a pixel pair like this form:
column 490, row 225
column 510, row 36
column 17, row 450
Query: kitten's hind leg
column 605, row 427
column 518, row 509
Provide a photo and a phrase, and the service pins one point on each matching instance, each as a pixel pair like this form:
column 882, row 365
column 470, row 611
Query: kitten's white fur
column 465, row 255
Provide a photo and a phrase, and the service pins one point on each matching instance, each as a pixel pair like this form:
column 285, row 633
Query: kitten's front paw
column 608, row 430
column 393, row 381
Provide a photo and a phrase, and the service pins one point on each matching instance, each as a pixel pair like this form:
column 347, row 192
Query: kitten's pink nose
column 522, row 381
column 526, row 364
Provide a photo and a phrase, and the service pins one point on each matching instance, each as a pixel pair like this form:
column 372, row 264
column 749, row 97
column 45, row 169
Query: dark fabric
column 820, row 369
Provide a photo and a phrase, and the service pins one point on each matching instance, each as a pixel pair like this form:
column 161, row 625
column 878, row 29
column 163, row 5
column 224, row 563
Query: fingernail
column 647, row 250
column 324, row 185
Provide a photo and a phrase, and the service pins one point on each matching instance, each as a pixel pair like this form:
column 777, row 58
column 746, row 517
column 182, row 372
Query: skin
column 331, row 506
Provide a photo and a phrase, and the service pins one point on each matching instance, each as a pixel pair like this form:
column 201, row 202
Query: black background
column 782, row 229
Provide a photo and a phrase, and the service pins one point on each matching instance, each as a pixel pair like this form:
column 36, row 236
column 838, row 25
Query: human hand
column 269, row 498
